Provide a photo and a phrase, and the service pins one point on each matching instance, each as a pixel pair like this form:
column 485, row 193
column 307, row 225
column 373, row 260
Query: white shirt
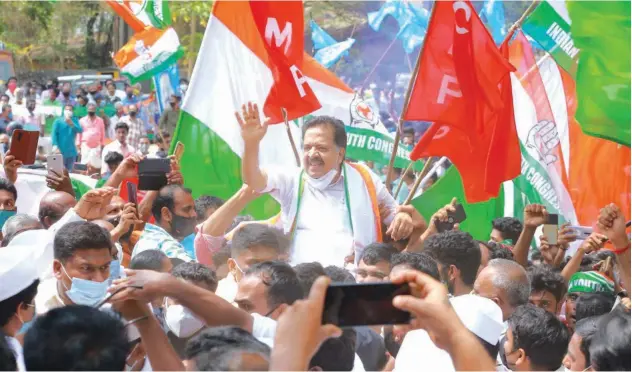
column 323, row 233
column 227, row 288
column 114, row 146
column 19, row 352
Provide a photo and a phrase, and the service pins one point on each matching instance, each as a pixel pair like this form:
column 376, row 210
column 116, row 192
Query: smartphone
column 55, row 164
column 152, row 173
column 549, row 229
column 24, row 145
column 132, row 193
column 582, row 232
column 179, row 151
column 455, row 217
column 361, row 304
column 78, row 167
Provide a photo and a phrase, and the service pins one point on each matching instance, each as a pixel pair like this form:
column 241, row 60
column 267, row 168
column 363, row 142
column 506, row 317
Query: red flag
column 281, row 27
column 459, row 72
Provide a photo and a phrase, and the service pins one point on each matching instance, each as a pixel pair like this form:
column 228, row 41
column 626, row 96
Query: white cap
column 480, row 315
column 40, row 245
column 17, row 271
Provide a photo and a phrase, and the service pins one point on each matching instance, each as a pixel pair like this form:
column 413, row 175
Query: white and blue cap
column 17, row 271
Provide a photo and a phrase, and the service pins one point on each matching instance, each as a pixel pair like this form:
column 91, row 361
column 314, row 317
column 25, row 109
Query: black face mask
column 130, row 95
column 132, row 113
column 173, row 104
column 182, row 226
column 31, row 108
column 91, row 113
column 66, row 94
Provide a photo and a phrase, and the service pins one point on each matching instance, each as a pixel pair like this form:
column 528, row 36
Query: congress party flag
column 147, row 53
column 233, row 68
column 142, row 13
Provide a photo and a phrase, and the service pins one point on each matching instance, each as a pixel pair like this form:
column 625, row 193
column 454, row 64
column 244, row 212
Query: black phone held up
column 132, row 193
column 455, row 217
column 152, row 173
column 360, row 304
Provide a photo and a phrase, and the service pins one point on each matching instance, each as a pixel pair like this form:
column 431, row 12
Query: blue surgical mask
column 85, row 292
column 26, row 325
column 5, row 215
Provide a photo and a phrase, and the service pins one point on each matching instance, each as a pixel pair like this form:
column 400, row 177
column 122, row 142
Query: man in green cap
column 585, row 282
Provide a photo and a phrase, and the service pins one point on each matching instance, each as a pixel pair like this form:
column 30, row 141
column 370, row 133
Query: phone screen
column 549, row 229
column 350, row 305
column 132, row 193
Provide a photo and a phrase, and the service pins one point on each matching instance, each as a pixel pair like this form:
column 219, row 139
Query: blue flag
column 329, row 55
column 493, row 13
column 412, row 35
column 166, row 83
column 412, row 21
column 320, row 37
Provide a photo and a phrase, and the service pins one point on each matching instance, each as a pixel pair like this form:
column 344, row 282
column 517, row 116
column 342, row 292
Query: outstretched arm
column 252, row 132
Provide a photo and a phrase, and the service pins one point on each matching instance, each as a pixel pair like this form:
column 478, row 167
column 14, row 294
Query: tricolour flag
column 142, row 13
column 233, row 68
column 148, row 52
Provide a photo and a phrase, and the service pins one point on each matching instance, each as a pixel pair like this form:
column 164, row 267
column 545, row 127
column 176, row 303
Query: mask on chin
column 322, row 182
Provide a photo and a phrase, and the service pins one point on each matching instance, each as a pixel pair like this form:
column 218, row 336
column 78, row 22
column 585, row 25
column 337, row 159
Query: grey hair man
column 17, row 224
column 506, row 283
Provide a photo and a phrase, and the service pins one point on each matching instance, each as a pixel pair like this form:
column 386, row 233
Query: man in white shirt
column 119, row 145
column 331, row 208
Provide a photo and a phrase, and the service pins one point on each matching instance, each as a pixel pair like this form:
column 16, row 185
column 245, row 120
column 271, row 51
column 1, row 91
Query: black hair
column 340, row 133
column 593, row 304
column 256, row 234
column 120, row 125
column 375, row 253
column 492, row 350
column 417, row 261
column 307, row 274
column 150, row 259
column 8, row 186
column 197, row 273
column 80, row 235
column 221, row 257
column 544, row 278
column 542, row 336
column 500, row 252
column 7, row 357
column 456, row 248
column 280, row 279
column 217, row 348
column 166, row 199
column 509, row 227
column 336, row 354
column 113, row 158
column 586, row 329
column 76, row 338
column 610, row 346
column 9, row 306
column 339, row 275
column 204, row 203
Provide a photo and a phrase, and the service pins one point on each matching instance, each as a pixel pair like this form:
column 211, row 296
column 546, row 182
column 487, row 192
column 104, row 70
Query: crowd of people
column 96, row 282
column 86, row 125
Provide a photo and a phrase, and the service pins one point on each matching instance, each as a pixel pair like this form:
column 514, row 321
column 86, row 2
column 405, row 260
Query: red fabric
column 477, row 130
column 460, row 54
column 284, row 54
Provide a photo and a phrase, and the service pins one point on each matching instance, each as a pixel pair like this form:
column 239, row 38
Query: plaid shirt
column 136, row 130
column 155, row 237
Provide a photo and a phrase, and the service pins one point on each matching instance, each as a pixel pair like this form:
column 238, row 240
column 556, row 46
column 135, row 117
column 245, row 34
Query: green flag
column 479, row 215
column 602, row 31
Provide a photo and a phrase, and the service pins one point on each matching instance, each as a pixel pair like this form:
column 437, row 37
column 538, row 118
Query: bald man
column 53, row 206
column 17, row 224
column 506, row 283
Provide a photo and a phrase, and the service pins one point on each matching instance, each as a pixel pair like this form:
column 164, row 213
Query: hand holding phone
column 457, row 215
column 360, row 304
column 550, row 228
column 152, row 173
column 178, row 152
column 24, row 145
column 55, row 165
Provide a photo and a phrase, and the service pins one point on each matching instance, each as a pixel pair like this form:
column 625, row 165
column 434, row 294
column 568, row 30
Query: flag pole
column 413, row 77
column 420, row 177
column 401, row 180
column 350, row 36
column 518, row 23
column 289, row 135
column 423, row 177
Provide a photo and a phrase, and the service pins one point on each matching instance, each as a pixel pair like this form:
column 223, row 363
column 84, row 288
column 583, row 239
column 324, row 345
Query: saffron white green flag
column 148, row 52
column 232, row 69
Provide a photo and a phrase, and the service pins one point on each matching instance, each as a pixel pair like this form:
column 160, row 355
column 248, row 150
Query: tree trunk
column 191, row 61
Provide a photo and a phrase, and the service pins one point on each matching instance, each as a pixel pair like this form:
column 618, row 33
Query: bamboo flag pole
column 413, row 77
column 424, row 177
column 350, row 36
column 401, row 180
column 420, row 177
column 518, row 23
column 289, row 135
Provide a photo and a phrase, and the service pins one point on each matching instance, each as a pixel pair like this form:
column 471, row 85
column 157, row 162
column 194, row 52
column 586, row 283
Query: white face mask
column 322, row 182
column 182, row 322
column 67, row 114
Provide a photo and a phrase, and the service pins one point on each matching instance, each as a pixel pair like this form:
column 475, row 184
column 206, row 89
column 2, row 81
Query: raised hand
column 441, row 216
column 129, row 166
column 175, row 176
column 11, row 166
column 565, row 236
column 594, row 242
column 612, row 224
column 535, row 215
column 252, row 130
column 59, row 182
column 93, row 204
column 401, row 227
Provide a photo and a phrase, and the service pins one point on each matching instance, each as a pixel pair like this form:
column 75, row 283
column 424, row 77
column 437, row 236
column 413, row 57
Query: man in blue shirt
column 65, row 129
column 130, row 98
column 5, row 117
